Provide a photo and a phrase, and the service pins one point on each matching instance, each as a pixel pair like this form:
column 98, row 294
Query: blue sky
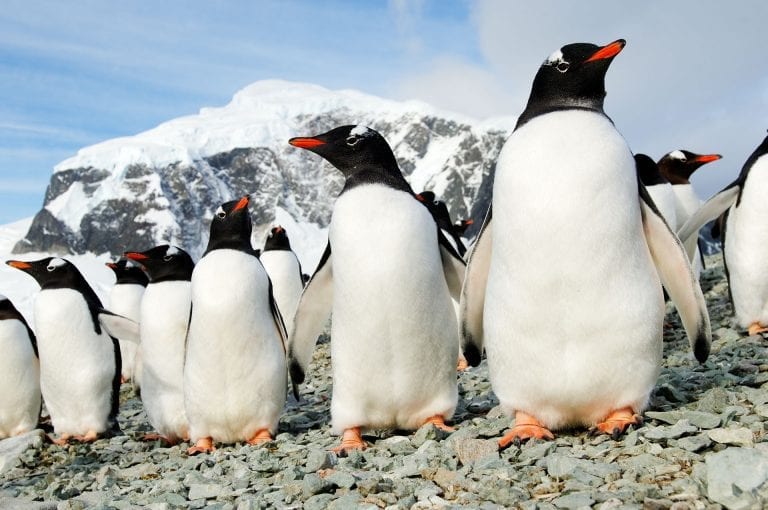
column 74, row 73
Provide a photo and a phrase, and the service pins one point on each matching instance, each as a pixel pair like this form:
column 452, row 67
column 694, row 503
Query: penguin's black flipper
column 473, row 294
column 311, row 315
column 676, row 275
column 277, row 317
column 118, row 326
column 454, row 266
column 708, row 211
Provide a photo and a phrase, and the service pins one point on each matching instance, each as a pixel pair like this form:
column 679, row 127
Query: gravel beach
column 703, row 446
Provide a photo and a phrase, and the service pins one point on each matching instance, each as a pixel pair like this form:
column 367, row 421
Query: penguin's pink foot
column 439, row 422
column 526, row 427
column 350, row 440
column 756, row 328
column 159, row 437
column 89, row 437
column 261, row 436
column 462, row 364
column 123, row 379
column 61, row 441
column 203, row 445
column 617, row 423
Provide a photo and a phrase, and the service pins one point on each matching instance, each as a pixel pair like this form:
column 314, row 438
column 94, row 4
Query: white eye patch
column 677, row 155
column 359, row 130
column 172, row 250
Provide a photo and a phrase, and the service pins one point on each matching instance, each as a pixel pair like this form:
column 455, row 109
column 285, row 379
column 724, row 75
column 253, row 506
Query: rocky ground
column 703, row 446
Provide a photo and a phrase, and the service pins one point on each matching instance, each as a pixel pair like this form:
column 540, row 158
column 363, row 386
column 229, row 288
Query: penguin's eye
column 352, row 140
column 562, row 66
column 167, row 258
column 221, row 215
column 51, row 268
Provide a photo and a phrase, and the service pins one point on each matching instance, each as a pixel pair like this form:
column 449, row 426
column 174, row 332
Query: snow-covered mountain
column 163, row 185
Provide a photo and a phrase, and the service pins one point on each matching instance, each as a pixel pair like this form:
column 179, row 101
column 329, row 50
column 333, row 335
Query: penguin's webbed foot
column 462, row 364
column 63, row 440
column 617, row 423
column 439, row 422
column 89, row 437
column 526, row 427
column 350, row 440
column 261, row 436
column 756, row 328
column 203, row 445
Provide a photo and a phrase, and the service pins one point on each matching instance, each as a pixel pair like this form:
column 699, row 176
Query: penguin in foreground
column 387, row 275
column 125, row 300
column 79, row 360
column 235, row 372
column 571, row 317
column 744, row 236
column 677, row 167
column 284, row 270
column 165, row 310
column 20, row 399
column 658, row 188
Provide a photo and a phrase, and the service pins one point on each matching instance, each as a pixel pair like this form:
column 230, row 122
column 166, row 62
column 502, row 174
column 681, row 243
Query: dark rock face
column 141, row 205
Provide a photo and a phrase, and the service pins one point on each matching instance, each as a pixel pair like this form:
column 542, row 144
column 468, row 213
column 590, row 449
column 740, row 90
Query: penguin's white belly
column 394, row 335
column 574, row 307
column 125, row 300
column 77, row 365
column 664, row 197
column 688, row 202
column 283, row 269
column 19, row 380
column 235, row 375
column 746, row 248
column 163, row 330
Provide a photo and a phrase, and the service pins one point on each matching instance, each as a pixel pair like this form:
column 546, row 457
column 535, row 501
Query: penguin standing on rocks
column 677, row 167
column 284, row 270
column 561, row 287
column 235, row 372
column 125, row 299
column 19, row 373
column 79, row 361
column 387, row 275
column 165, row 310
column 658, row 188
column 745, row 238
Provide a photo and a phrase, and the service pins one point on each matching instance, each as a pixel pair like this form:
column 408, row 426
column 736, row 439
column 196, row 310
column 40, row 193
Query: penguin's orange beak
column 242, row 204
column 707, row 158
column 111, row 265
column 18, row 264
column 608, row 51
column 306, row 143
column 134, row 255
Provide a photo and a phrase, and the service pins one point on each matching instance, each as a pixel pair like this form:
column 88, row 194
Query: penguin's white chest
column 664, row 197
column 19, row 380
column 573, row 306
column 746, row 248
column 125, row 300
column 394, row 334
column 283, row 269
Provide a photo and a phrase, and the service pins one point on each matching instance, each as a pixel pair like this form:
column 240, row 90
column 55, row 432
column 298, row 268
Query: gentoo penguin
column 387, row 275
column 19, row 373
column 744, row 236
column 561, row 286
column 125, row 299
column 235, row 373
column 442, row 217
column 284, row 271
column 677, row 167
column 165, row 310
column 658, row 188
column 79, row 361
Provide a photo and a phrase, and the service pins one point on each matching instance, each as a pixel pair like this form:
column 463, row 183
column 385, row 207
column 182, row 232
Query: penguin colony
column 212, row 345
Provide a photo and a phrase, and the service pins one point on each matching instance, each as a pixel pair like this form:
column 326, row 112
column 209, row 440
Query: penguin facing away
column 744, row 237
column 165, row 311
column 20, row 399
column 284, row 270
column 125, row 299
column 677, row 167
column 235, row 372
column 592, row 355
column 79, row 361
column 387, row 276
column 658, row 188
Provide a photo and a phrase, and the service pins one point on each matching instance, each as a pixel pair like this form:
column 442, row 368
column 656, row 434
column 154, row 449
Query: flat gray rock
column 11, row 448
column 738, row 478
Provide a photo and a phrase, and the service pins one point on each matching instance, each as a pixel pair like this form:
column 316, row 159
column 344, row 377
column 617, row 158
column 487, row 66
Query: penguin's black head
column 350, row 149
column 164, row 263
column 128, row 272
column 572, row 77
column 678, row 166
column 648, row 171
column 51, row 272
column 437, row 209
column 277, row 239
column 461, row 226
column 231, row 226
